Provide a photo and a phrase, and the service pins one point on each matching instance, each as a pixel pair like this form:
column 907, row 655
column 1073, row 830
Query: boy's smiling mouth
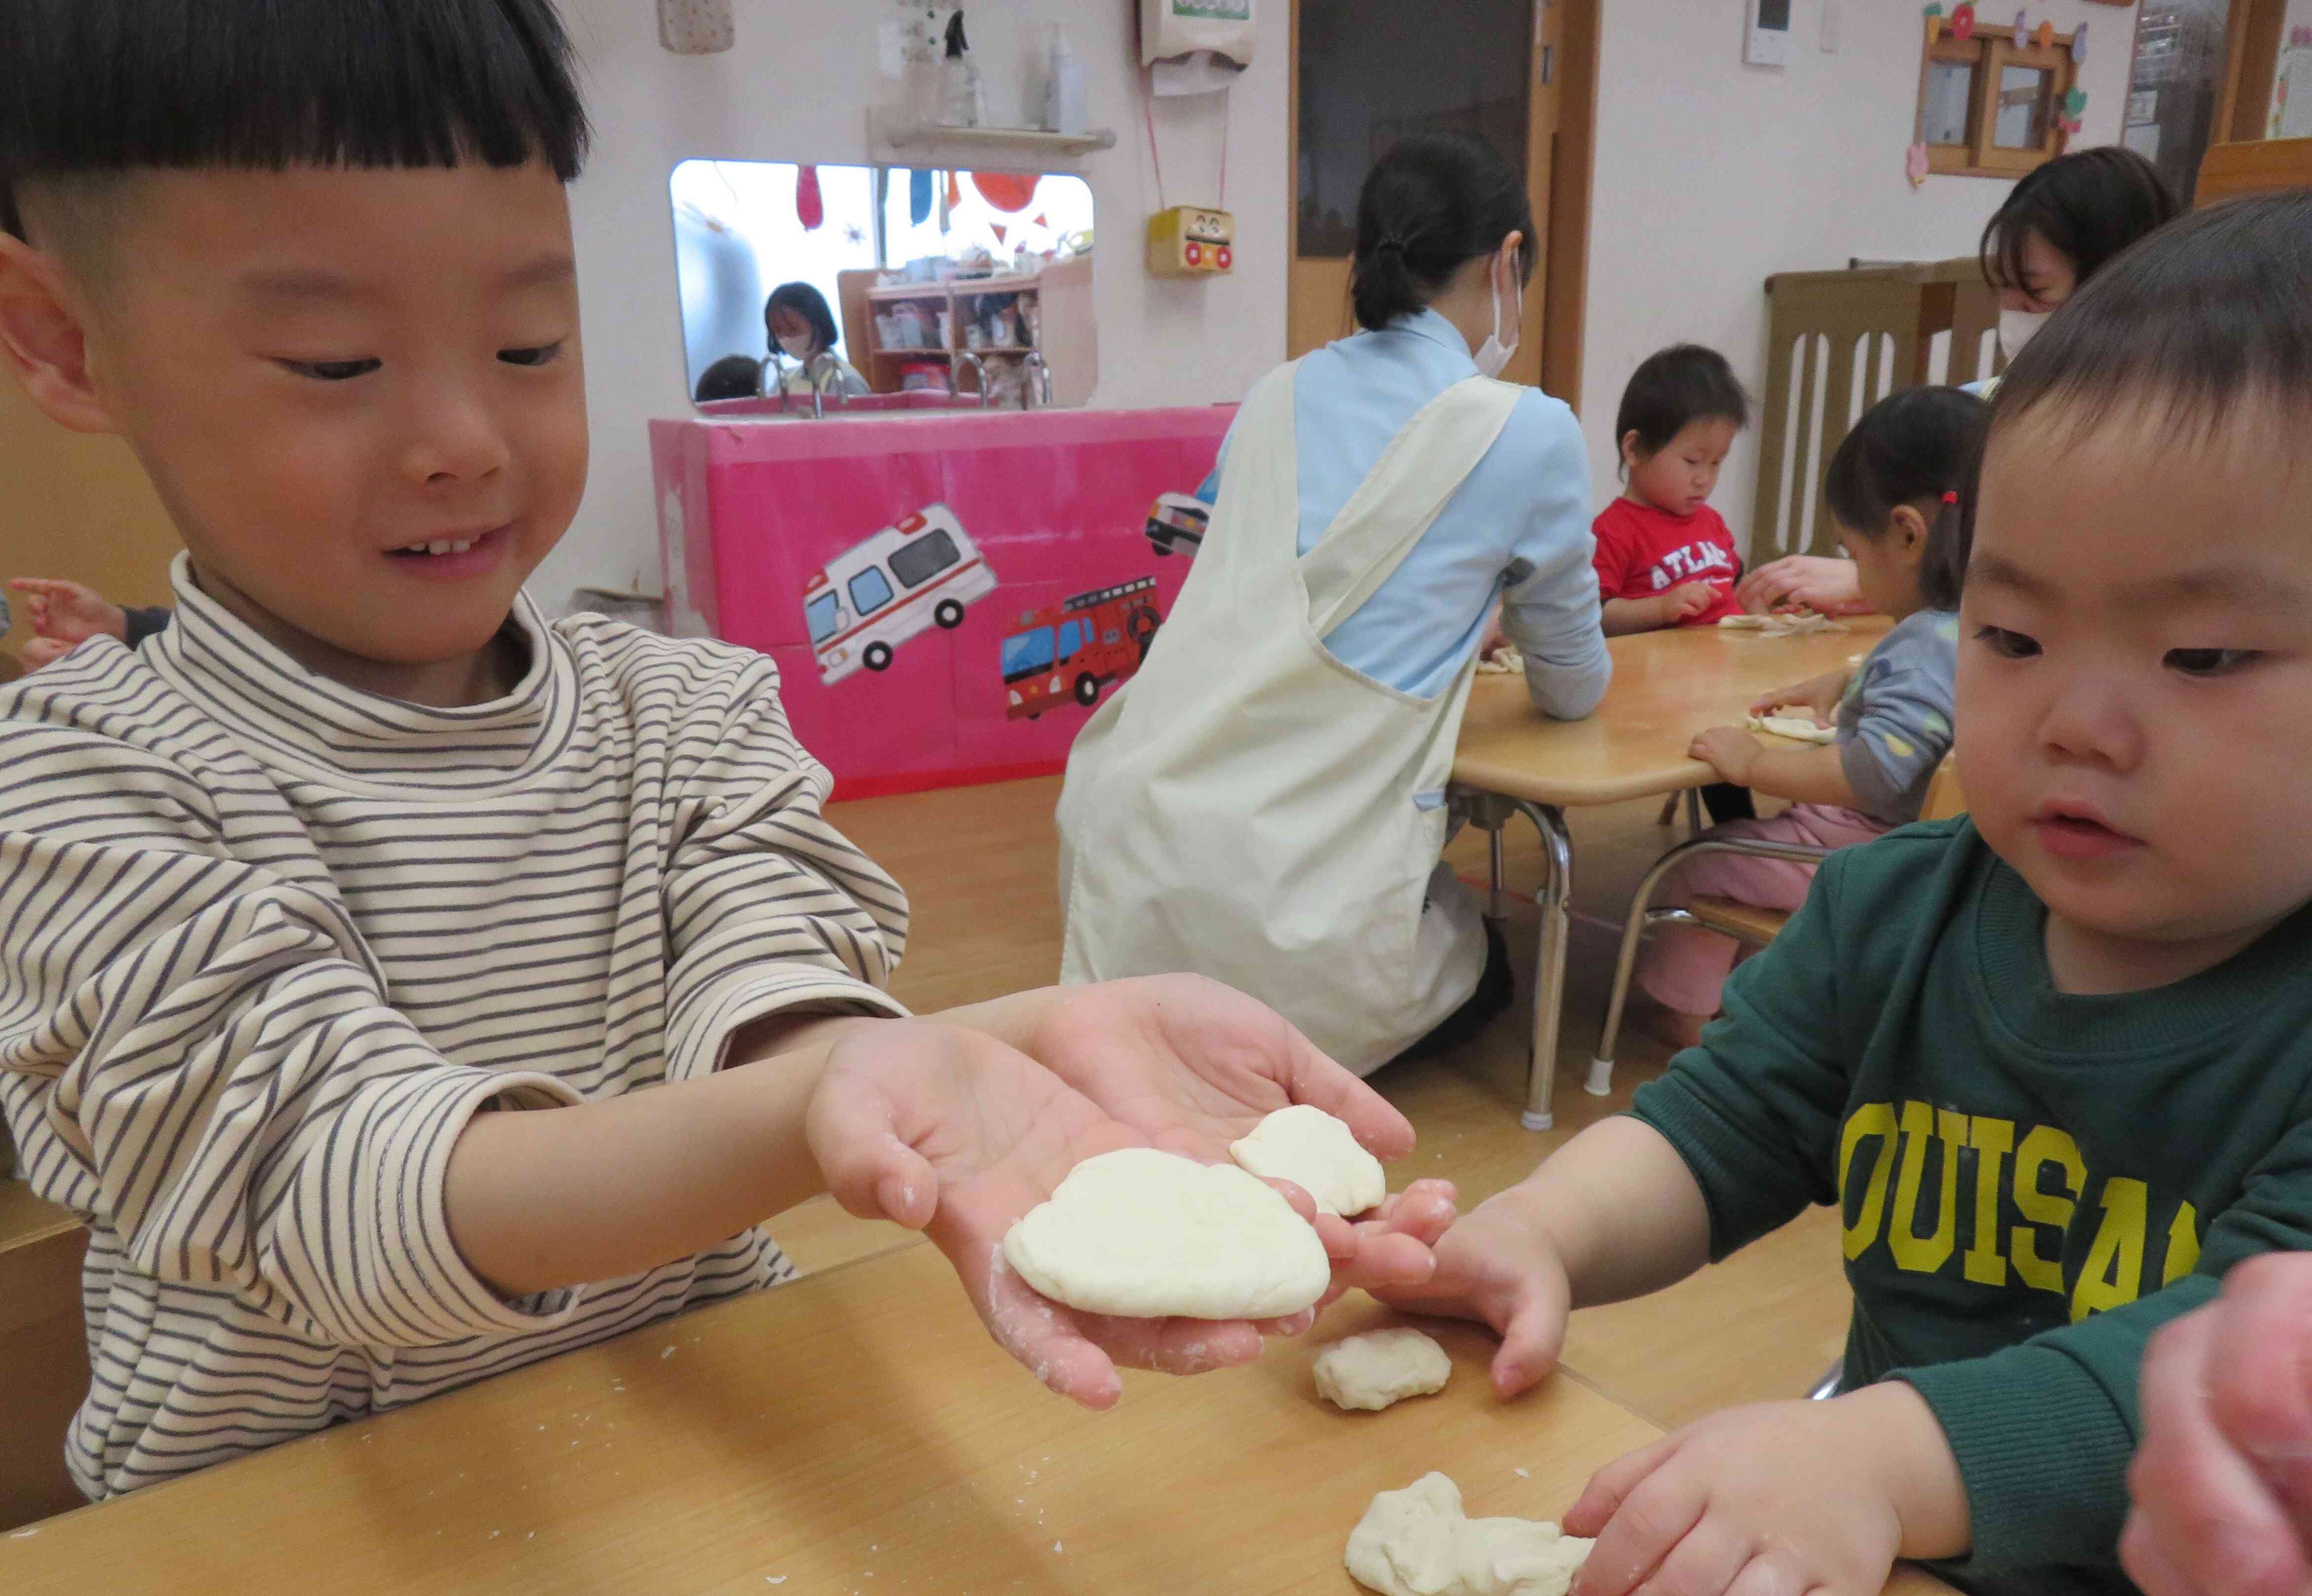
column 454, row 556
column 2071, row 831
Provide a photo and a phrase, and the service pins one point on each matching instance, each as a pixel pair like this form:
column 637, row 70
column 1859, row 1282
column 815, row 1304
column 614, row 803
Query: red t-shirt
column 1642, row 551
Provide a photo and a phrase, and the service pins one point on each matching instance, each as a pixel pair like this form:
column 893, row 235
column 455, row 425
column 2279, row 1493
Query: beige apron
column 1249, row 808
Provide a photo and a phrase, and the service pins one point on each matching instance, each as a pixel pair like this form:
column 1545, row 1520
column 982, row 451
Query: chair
column 1753, row 927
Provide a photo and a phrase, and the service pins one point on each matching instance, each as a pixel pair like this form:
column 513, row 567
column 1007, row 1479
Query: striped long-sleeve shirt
column 267, row 943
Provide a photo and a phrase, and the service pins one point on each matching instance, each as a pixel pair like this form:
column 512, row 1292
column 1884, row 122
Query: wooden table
column 1666, row 686
column 855, row 1432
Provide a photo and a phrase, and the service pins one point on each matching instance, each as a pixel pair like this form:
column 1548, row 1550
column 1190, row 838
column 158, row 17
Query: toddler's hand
column 1729, row 750
column 1801, row 581
column 1497, row 1267
column 45, row 651
column 1818, row 696
column 1682, row 602
column 1779, row 1497
column 1193, row 1066
column 2223, row 1481
column 947, row 1130
column 68, row 612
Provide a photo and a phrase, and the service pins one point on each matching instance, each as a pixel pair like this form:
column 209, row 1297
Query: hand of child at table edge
column 947, row 1130
column 1497, row 1267
column 1726, row 749
column 1776, row 1499
column 1818, row 696
column 1193, row 1066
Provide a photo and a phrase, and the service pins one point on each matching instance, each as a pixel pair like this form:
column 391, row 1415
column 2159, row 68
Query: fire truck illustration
column 1071, row 649
column 903, row 581
column 1176, row 523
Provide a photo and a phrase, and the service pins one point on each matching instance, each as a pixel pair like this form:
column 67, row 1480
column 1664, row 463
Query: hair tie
column 1951, row 497
column 1390, row 240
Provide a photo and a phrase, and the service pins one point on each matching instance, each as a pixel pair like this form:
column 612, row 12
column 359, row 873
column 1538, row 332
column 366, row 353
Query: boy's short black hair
column 1672, row 389
column 2211, row 315
column 90, row 88
column 807, row 302
column 732, row 377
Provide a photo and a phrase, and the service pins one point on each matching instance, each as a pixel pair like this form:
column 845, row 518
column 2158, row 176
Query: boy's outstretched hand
column 950, row 1131
column 68, row 613
column 1779, row 1499
column 1193, row 1066
column 1497, row 1267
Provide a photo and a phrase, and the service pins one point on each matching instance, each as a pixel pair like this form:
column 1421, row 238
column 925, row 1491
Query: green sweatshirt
column 2032, row 1182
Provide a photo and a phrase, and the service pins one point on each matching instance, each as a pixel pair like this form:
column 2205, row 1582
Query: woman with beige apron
column 1264, row 803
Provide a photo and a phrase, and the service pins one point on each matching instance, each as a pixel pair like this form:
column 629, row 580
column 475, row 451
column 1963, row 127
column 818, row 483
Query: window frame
column 1990, row 52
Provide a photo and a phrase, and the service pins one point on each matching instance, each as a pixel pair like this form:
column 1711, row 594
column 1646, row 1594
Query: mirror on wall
column 858, row 288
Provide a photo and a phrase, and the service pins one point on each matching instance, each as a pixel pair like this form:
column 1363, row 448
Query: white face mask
column 2017, row 327
column 800, row 349
column 1493, row 356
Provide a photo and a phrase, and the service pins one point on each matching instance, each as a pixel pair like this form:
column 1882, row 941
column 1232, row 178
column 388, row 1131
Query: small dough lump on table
column 1380, row 1368
column 1418, row 1542
column 1319, row 1155
column 1146, row 1234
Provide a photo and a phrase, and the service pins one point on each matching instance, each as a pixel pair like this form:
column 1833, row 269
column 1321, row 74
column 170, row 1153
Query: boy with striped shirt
column 342, row 926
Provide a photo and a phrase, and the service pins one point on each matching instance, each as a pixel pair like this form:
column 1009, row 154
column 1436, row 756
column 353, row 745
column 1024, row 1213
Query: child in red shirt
column 1664, row 556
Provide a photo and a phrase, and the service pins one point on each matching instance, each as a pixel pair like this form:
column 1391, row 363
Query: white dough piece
column 1148, row 1235
column 1800, row 623
column 1504, row 661
column 1417, row 1542
column 1318, row 1154
column 1380, row 1368
column 1797, row 728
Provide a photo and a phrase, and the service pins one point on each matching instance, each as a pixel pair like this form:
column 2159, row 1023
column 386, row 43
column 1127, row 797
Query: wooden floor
column 980, row 864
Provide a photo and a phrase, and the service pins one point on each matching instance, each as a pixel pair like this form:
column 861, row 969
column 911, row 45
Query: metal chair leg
column 1669, row 815
column 1601, row 1068
column 1555, row 901
column 1826, row 1387
column 1696, row 822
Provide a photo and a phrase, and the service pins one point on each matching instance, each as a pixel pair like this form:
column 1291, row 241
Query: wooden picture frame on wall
column 1989, row 56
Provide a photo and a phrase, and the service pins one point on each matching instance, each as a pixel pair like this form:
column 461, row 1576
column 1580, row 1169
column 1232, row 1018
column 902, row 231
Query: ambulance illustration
column 1071, row 649
column 905, row 580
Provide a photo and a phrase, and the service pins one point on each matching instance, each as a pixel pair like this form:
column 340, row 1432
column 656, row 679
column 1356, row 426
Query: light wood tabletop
column 853, row 1433
column 1667, row 686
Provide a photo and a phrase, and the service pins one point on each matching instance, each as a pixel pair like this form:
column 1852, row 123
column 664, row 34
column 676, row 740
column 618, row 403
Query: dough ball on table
column 1382, row 1367
column 1417, row 1542
column 1318, row 1154
column 1146, row 1234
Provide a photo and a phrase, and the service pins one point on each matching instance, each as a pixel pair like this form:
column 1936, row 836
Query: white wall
column 796, row 89
column 1711, row 175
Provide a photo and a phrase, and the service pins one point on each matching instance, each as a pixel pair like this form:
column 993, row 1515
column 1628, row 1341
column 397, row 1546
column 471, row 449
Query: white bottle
column 963, row 102
column 1064, row 107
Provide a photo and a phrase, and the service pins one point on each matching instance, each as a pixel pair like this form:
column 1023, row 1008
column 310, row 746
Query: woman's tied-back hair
column 93, row 88
column 1674, row 387
column 2208, row 317
column 1916, row 447
column 2089, row 205
column 1434, row 203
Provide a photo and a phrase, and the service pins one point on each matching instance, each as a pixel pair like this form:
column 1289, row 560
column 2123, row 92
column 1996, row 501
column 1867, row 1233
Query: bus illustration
column 903, row 581
column 1177, row 522
column 1073, row 648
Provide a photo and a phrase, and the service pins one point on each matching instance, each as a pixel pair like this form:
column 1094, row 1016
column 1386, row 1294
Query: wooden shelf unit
column 1068, row 335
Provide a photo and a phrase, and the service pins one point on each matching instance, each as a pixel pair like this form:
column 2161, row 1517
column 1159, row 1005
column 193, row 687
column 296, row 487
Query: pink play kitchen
column 905, row 504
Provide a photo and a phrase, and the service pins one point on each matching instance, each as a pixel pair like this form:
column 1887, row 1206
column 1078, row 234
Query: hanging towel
column 811, row 210
column 919, row 197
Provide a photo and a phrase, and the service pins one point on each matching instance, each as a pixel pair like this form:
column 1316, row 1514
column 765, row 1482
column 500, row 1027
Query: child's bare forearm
column 1802, row 775
column 1621, row 617
column 1624, row 1213
column 550, row 1197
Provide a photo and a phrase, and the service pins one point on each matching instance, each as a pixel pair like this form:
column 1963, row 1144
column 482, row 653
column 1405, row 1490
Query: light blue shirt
column 1518, row 528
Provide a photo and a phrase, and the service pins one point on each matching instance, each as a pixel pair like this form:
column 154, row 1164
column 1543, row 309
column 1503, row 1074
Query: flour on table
column 1146, row 1234
column 1504, row 661
column 1797, row 728
column 1417, row 1542
column 1382, row 1367
column 1802, row 623
column 1319, row 1155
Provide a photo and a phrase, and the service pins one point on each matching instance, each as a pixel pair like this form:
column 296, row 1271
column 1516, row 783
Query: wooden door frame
column 2252, row 41
column 1561, row 161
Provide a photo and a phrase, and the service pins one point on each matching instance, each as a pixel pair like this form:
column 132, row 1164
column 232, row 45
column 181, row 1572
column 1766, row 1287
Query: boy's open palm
column 1193, row 1066
column 951, row 1132
column 1495, row 1267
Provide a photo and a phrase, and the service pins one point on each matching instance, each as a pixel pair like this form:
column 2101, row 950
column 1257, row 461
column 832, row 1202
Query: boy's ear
column 44, row 337
column 1911, row 528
